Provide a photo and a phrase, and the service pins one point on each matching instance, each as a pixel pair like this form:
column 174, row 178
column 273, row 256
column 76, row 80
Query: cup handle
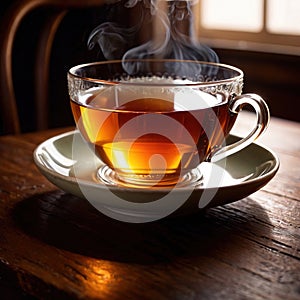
column 262, row 121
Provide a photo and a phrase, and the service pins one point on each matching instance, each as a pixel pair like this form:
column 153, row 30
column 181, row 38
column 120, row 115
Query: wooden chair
column 9, row 26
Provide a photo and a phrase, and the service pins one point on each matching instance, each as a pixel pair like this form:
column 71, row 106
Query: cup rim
column 72, row 70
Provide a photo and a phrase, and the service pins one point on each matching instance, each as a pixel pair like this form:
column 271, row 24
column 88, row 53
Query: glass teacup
column 153, row 122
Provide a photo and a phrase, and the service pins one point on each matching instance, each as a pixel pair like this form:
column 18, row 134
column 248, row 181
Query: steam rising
column 112, row 39
column 168, row 39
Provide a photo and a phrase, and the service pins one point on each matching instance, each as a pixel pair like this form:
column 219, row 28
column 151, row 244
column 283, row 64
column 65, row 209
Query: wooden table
column 56, row 246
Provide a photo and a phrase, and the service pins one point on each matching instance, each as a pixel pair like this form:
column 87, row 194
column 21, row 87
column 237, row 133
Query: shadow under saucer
column 71, row 223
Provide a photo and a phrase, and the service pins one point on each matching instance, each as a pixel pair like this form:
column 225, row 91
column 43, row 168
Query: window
column 233, row 15
column 283, row 16
column 264, row 25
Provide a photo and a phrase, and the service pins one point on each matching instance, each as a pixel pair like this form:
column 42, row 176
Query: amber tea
column 151, row 137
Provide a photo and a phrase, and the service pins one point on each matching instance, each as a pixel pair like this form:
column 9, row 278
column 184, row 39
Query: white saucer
column 69, row 163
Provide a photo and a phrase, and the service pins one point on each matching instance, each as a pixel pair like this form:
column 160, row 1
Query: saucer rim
column 264, row 178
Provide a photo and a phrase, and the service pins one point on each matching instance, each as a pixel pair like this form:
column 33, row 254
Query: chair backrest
column 9, row 26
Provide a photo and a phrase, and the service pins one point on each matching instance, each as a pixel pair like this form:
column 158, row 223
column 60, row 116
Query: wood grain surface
column 56, row 246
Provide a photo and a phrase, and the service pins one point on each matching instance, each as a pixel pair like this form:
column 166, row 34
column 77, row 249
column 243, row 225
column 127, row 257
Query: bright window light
column 236, row 15
column 283, row 16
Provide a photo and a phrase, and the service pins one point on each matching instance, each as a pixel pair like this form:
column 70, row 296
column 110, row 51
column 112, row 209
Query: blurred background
column 262, row 37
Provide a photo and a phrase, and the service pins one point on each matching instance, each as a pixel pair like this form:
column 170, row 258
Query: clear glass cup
column 153, row 122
